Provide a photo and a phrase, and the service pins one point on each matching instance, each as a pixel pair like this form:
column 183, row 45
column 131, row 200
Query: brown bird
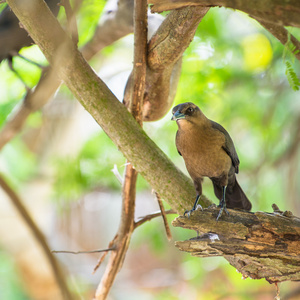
column 208, row 151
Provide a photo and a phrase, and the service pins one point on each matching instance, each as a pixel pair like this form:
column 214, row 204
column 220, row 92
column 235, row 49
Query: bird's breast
column 203, row 153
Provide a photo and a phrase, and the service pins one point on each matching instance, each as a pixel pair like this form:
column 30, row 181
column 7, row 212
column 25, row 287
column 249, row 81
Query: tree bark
column 273, row 11
column 165, row 50
column 259, row 245
column 272, row 15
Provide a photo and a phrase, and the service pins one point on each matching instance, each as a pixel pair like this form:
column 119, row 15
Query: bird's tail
column 234, row 196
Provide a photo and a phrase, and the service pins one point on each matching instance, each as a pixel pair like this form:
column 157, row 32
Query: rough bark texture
column 274, row 11
column 164, row 61
column 172, row 39
column 259, row 245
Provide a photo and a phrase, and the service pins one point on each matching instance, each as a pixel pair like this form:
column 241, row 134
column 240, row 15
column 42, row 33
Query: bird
column 208, row 151
column 12, row 36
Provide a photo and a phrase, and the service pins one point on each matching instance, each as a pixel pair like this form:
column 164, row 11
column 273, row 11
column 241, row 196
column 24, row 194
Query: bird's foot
column 188, row 212
column 212, row 206
column 222, row 208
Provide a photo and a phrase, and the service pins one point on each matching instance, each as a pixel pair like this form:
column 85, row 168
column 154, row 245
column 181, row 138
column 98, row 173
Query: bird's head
column 186, row 111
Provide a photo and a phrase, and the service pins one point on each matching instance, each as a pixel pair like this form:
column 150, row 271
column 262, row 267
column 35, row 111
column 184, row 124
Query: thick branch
column 111, row 115
column 115, row 23
column 174, row 36
column 280, row 12
column 258, row 245
column 164, row 60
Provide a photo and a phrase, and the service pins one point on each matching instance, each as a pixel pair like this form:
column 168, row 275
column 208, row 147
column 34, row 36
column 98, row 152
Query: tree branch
column 284, row 14
column 259, row 245
column 33, row 101
column 58, row 274
column 49, row 82
column 279, row 32
column 280, row 12
column 115, row 23
column 173, row 186
column 164, row 60
column 152, row 216
column 126, row 227
column 164, row 216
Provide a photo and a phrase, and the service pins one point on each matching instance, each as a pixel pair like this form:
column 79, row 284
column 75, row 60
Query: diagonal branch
column 152, row 216
column 173, row 186
column 279, row 32
column 33, row 101
column 59, row 276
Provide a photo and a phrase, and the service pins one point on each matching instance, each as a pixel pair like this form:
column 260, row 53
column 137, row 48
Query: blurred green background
column 61, row 163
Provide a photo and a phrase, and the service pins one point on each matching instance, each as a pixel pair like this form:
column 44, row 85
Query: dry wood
column 259, row 245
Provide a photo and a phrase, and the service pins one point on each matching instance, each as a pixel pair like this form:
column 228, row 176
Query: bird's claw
column 199, row 206
column 222, row 208
column 188, row 212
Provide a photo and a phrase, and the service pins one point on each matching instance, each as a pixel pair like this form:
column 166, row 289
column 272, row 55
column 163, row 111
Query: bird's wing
column 228, row 146
column 177, row 133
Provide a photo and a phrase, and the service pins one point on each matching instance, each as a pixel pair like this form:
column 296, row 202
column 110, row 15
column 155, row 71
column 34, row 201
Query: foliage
column 292, row 76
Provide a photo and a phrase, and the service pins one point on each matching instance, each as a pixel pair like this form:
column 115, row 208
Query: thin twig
column 59, row 276
column 164, row 217
column 83, row 252
column 277, row 291
column 102, row 257
column 152, row 216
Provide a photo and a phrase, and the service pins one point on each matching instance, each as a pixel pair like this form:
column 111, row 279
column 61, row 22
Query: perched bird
column 12, row 36
column 208, row 151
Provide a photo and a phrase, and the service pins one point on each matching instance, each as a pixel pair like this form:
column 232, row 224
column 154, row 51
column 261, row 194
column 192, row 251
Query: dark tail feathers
column 234, row 196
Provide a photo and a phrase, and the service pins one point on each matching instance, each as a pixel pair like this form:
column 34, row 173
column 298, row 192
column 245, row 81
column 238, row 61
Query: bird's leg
column 222, row 204
column 195, row 206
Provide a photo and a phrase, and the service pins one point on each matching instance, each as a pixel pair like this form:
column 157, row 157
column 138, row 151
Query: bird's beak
column 178, row 115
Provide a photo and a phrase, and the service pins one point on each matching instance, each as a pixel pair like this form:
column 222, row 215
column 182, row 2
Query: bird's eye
column 190, row 109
